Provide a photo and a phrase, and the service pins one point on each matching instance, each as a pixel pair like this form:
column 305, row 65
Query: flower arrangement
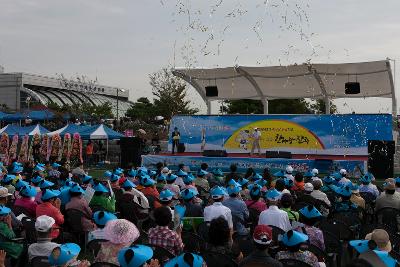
column 23, row 151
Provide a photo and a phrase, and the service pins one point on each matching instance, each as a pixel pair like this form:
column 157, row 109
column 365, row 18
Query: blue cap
column 261, row 182
column 39, row 164
column 134, row 256
column 102, row 217
column 308, row 174
column 118, row 172
column 4, row 210
column 188, row 193
column 273, row 194
column 310, row 212
column 337, row 176
column 19, row 184
column 8, row 178
column 76, row 188
column 38, row 168
column 64, row 253
column 362, row 245
column 288, row 182
column 69, row 183
column 114, row 178
column 45, row 184
column 293, row 238
column 49, row 193
column 188, row 179
column 181, row 173
column 28, row 191
column 280, row 174
column 37, row 179
column 367, row 178
column 255, row 190
column 151, row 173
column 196, row 260
column 100, row 188
column 257, row 176
column 217, row 192
column 65, row 195
column 328, row 179
column 161, row 178
column 233, row 187
column 342, row 190
column 166, row 195
column 17, row 169
column 386, row 258
column 171, row 177
column 128, row 184
column 218, row 172
column 201, row 173
column 55, row 165
column 147, row 181
column 87, row 179
column 107, row 174
column 243, row 181
column 132, row 173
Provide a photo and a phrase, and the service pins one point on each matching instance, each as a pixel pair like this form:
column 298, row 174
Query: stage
column 355, row 165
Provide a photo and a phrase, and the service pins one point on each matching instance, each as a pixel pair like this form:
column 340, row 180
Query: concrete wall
column 10, row 85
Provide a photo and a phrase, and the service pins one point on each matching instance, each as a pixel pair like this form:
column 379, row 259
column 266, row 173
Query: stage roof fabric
column 294, row 81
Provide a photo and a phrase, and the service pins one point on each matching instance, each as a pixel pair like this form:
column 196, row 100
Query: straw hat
column 121, row 231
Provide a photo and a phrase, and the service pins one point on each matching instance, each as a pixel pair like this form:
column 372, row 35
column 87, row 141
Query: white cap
column 314, row 171
column 343, row 171
column 308, row 187
column 289, row 169
column 4, row 192
column 44, row 223
column 165, row 170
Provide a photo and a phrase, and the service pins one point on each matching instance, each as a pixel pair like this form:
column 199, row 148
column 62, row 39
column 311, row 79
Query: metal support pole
column 327, row 105
column 265, row 105
column 208, row 103
column 117, row 104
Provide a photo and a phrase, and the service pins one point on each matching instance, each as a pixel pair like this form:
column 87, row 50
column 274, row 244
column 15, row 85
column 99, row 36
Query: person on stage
column 176, row 137
column 256, row 141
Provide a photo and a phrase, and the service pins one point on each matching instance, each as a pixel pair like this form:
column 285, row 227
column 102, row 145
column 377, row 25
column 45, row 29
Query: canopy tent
column 316, row 81
column 34, row 129
column 100, row 132
column 2, row 115
column 10, row 129
column 71, row 129
column 37, row 115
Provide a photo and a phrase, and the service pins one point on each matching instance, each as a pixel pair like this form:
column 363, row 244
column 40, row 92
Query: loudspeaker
column 381, row 158
column 215, row 153
column 181, row 148
column 211, row 91
column 131, row 151
column 278, row 154
column 352, row 88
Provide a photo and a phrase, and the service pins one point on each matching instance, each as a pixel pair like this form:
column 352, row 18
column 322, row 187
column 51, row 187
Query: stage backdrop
column 300, row 134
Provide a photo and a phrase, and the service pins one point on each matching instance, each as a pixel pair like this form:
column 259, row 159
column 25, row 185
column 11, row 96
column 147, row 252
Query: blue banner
column 300, row 134
column 354, row 167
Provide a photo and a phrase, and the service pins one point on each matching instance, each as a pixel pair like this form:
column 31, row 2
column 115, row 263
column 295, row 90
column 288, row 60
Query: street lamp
column 118, row 90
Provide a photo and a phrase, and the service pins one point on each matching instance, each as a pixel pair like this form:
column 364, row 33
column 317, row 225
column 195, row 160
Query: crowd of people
column 51, row 215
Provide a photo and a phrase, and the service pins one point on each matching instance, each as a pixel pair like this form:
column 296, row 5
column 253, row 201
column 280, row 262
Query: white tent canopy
column 316, row 81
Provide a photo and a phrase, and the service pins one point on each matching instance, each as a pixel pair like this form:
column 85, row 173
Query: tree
column 170, row 94
column 319, row 107
column 142, row 110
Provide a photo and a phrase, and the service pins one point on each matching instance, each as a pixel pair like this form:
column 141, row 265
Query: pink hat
column 121, row 231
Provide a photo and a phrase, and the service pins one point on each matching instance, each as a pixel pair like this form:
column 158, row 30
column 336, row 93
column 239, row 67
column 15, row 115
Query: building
column 20, row 90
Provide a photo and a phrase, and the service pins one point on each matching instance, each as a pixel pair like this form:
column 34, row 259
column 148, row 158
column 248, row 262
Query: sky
column 122, row 41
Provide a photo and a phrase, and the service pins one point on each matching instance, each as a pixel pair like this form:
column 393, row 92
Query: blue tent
column 33, row 129
column 14, row 117
column 40, row 115
column 10, row 129
column 3, row 114
column 71, row 129
column 100, row 132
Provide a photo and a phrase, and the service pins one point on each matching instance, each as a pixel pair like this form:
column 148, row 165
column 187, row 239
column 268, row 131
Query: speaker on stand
column 131, row 151
column 381, row 158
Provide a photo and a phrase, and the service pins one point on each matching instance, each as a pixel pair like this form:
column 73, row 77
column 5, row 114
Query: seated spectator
column 342, row 200
column 217, row 209
column 309, row 216
column 51, row 207
column 7, row 183
column 4, row 196
column 13, row 250
column 27, row 201
column 100, row 218
column 188, row 181
column 273, row 215
column 356, row 197
column 185, row 260
column 292, row 241
column 193, row 209
column 390, row 198
column 166, row 197
column 120, row 233
column 286, row 205
column 162, row 236
column 219, row 239
column 262, row 239
column 78, row 202
column 256, row 202
column 367, row 186
column 149, row 190
column 137, row 255
column 233, row 174
column 305, row 196
column 130, row 194
column 66, row 255
column 180, row 175
column 101, row 198
column 245, row 192
column 237, row 206
column 328, row 184
column 298, row 182
column 280, row 184
column 171, row 178
column 202, row 181
column 43, row 247
column 161, row 181
column 318, row 194
column 381, row 238
column 44, row 184
column 368, row 251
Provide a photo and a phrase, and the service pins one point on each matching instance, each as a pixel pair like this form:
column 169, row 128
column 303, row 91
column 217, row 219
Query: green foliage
column 142, row 110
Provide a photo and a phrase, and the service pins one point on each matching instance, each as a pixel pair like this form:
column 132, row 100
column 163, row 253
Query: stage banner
column 354, row 167
column 300, row 134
